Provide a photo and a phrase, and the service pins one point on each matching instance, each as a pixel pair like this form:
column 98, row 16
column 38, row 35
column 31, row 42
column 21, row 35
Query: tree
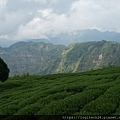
column 4, row 71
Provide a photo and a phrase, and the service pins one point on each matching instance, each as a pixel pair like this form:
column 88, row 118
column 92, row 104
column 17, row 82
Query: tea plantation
column 95, row 92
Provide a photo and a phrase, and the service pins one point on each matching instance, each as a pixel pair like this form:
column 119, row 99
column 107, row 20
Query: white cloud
column 48, row 23
column 2, row 9
column 103, row 14
column 33, row 29
column 40, row 1
column 2, row 2
column 40, row 18
column 46, row 13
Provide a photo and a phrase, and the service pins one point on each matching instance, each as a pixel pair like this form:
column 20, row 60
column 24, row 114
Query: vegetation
column 4, row 71
column 42, row 58
column 29, row 57
column 85, row 56
column 95, row 92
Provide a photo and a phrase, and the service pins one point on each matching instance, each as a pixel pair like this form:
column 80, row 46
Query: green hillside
column 85, row 56
column 45, row 58
column 95, row 92
column 29, row 57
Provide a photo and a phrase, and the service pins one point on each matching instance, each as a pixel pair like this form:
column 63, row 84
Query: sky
column 29, row 19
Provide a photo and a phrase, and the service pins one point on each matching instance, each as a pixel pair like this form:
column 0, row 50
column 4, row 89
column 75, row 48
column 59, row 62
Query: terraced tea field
column 96, row 92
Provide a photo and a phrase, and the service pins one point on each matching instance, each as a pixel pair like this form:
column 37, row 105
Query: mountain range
column 66, row 38
column 46, row 58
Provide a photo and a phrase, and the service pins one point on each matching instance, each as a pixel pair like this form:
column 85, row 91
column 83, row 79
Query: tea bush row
column 105, row 104
column 71, row 104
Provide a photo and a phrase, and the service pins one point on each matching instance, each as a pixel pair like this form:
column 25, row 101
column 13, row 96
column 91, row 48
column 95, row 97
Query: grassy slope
column 89, row 93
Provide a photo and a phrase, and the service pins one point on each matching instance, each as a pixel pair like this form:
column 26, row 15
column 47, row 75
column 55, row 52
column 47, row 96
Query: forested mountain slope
column 85, row 56
column 46, row 58
column 29, row 57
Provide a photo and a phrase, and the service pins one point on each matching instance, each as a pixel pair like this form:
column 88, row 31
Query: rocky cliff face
column 45, row 58
column 90, row 55
column 93, row 55
column 29, row 57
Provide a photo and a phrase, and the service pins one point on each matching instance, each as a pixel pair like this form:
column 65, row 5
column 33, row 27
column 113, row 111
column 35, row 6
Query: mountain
column 96, row 35
column 85, row 56
column 80, row 36
column 46, row 58
column 30, row 57
column 66, row 38
column 39, row 40
column 6, row 42
column 95, row 92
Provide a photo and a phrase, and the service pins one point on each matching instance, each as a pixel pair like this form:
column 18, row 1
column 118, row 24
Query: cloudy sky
column 21, row 19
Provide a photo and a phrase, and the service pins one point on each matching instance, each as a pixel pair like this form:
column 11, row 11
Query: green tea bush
column 6, row 86
column 29, row 109
column 117, row 112
column 70, row 104
column 9, row 110
column 54, row 97
column 29, row 100
column 96, row 87
column 10, row 102
column 105, row 104
column 87, row 93
column 74, row 88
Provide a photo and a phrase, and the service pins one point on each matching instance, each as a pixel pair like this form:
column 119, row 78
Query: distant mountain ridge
column 46, row 58
column 84, row 36
column 67, row 38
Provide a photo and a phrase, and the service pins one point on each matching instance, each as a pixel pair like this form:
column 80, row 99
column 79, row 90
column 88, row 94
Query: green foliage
column 42, row 58
column 15, row 76
column 106, row 104
column 24, row 75
column 95, row 92
column 4, row 71
column 70, row 104
column 84, row 56
column 29, row 57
